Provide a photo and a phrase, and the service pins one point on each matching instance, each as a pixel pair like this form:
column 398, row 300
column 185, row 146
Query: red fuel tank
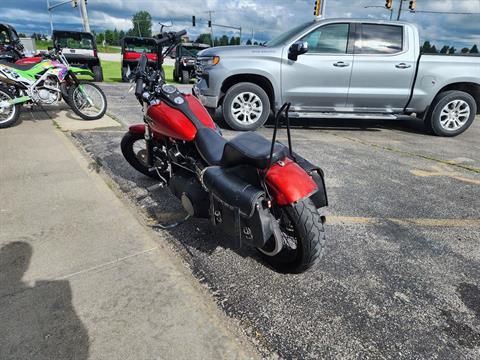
column 171, row 122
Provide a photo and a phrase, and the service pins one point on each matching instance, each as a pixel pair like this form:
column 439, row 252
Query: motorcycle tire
column 309, row 235
column 127, row 146
column 74, row 103
column 14, row 117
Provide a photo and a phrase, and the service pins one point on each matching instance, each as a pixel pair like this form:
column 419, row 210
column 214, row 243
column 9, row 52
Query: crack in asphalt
column 470, row 168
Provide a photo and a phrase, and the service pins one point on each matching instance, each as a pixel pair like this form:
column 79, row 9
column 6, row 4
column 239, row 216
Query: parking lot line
column 444, row 172
column 356, row 220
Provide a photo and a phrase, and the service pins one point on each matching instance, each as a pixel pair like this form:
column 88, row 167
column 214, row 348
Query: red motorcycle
column 258, row 191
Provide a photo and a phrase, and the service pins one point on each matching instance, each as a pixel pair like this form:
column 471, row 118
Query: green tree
column 452, row 50
column 115, row 37
column 444, row 49
column 204, row 38
column 121, row 35
column 22, row 35
column 100, row 37
column 474, row 49
column 465, row 50
column 142, row 24
column 223, row 41
column 249, row 42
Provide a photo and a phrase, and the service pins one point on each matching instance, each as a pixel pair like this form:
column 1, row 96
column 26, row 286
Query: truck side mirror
column 296, row 49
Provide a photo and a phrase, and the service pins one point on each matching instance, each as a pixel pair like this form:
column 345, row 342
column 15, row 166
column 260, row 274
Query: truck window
column 379, row 39
column 328, row 39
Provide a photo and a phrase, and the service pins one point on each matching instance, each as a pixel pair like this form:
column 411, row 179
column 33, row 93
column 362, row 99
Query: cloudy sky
column 266, row 18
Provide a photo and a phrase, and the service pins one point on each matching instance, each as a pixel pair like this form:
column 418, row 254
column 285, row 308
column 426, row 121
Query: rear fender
column 288, row 183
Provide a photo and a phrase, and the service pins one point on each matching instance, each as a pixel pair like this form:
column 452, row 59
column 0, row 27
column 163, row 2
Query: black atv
column 185, row 56
column 11, row 49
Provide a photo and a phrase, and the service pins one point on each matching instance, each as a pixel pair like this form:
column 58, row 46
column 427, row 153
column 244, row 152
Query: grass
column 43, row 44
column 112, row 71
column 109, row 49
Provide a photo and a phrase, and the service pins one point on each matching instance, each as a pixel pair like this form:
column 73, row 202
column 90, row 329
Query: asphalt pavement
column 401, row 275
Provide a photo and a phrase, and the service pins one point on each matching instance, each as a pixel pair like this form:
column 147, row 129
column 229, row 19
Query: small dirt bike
column 45, row 83
column 256, row 190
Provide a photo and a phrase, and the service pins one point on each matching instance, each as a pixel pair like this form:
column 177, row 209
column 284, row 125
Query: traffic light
column 316, row 9
column 74, row 3
column 413, row 5
column 193, row 20
column 389, row 4
column 209, row 23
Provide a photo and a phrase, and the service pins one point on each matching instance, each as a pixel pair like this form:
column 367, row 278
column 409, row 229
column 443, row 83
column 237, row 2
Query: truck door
column 319, row 79
column 383, row 68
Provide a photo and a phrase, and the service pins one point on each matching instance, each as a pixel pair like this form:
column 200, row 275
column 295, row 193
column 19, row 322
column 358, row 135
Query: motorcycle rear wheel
column 303, row 237
column 10, row 115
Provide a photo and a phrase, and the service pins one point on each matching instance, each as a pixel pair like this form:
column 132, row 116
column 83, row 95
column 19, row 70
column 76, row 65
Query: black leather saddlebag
column 237, row 204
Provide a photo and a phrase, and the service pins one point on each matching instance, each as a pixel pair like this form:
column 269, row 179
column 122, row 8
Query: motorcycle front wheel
column 87, row 100
column 303, row 239
column 134, row 150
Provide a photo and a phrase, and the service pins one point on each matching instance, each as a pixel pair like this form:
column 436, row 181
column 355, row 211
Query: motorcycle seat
column 17, row 66
column 210, row 145
column 249, row 148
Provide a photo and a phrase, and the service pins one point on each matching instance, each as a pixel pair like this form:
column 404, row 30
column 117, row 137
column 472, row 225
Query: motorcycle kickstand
column 171, row 225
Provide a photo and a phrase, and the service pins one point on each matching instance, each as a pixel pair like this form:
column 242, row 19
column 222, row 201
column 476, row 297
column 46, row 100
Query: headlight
column 207, row 61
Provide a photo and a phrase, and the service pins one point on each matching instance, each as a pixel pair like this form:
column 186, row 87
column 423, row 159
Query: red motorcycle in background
column 258, row 191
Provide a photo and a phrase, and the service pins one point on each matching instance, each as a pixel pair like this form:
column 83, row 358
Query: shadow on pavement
column 407, row 124
column 39, row 321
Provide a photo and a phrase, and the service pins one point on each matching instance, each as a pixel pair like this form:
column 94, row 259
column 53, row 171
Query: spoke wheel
column 88, row 101
column 9, row 114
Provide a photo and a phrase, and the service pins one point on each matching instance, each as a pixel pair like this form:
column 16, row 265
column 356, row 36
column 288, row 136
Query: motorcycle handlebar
column 170, row 37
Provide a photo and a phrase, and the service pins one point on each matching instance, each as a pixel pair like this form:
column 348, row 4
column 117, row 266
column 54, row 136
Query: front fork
column 148, row 138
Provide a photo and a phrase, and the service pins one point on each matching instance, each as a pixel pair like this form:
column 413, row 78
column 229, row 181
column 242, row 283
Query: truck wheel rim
column 246, row 108
column 454, row 115
column 7, row 111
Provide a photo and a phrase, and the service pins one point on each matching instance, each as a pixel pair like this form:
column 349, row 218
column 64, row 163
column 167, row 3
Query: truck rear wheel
column 246, row 106
column 452, row 112
column 98, row 73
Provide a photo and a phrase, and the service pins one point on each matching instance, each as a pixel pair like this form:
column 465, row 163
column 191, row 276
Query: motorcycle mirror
column 297, row 48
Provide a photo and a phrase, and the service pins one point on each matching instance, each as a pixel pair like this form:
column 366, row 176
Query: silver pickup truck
column 341, row 68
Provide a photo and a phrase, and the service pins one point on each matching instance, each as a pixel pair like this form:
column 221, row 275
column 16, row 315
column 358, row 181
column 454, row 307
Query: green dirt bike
column 46, row 83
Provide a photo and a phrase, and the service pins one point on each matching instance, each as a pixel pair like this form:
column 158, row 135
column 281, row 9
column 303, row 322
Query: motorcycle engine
column 49, row 93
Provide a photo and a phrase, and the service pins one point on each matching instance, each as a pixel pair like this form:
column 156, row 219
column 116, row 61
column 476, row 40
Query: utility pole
column 324, row 7
column 210, row 12
column 50, row 16
column 83, row 9
column 400, row 9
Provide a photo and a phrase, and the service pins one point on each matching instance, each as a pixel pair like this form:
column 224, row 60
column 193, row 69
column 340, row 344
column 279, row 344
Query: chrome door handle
column 341, row 64
column 402, row 66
